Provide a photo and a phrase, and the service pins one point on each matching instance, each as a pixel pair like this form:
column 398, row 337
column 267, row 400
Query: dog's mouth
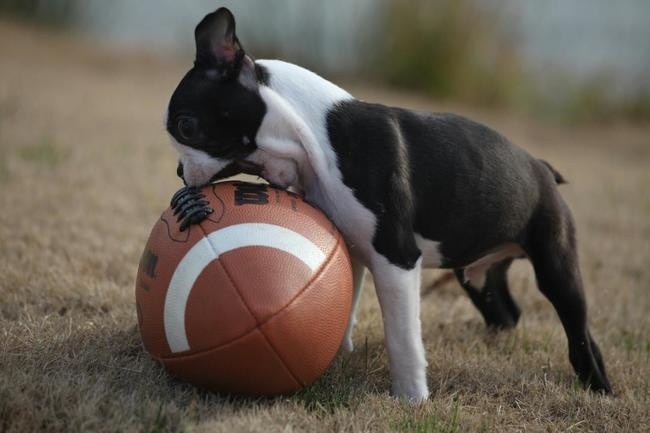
column 238, row 167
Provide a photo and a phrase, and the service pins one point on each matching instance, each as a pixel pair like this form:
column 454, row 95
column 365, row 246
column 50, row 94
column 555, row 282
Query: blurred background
column 569, row 60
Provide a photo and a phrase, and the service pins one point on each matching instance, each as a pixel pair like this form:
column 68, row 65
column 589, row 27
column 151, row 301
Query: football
column 253, row 300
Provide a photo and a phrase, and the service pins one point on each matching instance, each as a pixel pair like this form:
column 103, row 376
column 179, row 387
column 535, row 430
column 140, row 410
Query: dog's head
column 216, row 110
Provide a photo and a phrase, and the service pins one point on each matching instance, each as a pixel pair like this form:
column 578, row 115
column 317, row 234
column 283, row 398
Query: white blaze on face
column 210, row 248
column 198, row 166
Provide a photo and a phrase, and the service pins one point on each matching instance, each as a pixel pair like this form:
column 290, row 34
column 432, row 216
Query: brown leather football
column 253, row 300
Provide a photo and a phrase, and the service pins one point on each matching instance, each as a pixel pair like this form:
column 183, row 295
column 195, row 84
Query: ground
column 86, row 169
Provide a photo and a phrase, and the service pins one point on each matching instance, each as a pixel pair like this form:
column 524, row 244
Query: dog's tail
column 559, row 179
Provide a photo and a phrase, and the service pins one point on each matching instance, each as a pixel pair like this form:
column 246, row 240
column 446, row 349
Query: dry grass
column 85, row 171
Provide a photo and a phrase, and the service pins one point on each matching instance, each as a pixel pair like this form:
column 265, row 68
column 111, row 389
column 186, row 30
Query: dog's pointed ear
column 217, row 48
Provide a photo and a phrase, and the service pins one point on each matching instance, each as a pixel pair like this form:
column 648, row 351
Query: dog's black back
column 469, row 188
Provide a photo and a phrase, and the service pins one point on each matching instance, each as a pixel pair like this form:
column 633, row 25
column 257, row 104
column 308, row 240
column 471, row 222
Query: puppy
column 407, row 189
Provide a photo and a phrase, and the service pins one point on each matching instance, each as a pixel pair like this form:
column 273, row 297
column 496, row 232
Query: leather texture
column 258, row 320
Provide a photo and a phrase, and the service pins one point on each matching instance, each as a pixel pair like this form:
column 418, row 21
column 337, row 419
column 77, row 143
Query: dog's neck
column 294, row 134
column 297, row 102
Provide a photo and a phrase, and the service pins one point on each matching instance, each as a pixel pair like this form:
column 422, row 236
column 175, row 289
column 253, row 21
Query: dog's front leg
column 398, row 290
column 358, row 274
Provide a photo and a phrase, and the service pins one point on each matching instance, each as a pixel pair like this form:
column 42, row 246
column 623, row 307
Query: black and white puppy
column 408, row 190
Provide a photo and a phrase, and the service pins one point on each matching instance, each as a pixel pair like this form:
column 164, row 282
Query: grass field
column 85, row 170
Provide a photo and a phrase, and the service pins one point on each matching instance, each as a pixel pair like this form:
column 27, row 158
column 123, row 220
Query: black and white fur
column 407, row 189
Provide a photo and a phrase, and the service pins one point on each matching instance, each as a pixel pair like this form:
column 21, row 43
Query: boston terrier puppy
column 408, row 190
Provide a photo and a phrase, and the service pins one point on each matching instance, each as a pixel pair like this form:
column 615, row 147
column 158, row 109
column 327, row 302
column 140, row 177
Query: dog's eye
column 188, row 127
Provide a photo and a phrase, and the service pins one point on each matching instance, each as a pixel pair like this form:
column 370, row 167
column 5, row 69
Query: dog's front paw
column 413, row 391
column 347, row 344
column 190, row 206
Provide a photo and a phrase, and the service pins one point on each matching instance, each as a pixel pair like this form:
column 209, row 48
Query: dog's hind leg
column 398, row 290
column 551, row 247
column 358, row 274
column 493, row 298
